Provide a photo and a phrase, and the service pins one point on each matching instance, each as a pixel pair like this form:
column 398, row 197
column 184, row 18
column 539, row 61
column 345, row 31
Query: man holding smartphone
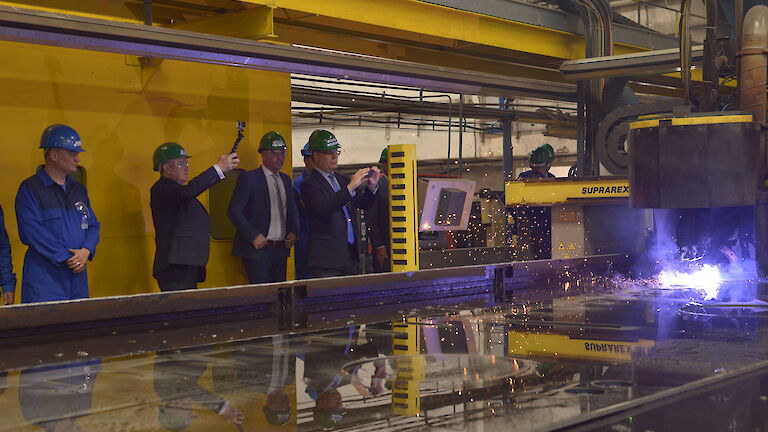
column 329, row 198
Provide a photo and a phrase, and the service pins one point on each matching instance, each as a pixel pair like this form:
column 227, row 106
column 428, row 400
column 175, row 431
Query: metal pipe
column 752, row 82
column 739, row 14
column 754, row 67
column 711, row 77
column 581, row 163
column 448, row 165
column 461, row 131
column 506, row 152
column 752, row 77
column 148, row 12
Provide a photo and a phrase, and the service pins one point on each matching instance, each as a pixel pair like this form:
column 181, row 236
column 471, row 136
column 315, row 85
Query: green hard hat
column 277, row 417
column 384, row 155
column 323, row 140
column 166, row 152
column 542, row 155
column 327, row 419
column 272, row 141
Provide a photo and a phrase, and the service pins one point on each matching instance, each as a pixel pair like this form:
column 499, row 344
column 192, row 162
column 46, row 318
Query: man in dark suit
column 182, row 225
column 329, row 199
column 264, row 211
column 377, row 220
column 301, row 249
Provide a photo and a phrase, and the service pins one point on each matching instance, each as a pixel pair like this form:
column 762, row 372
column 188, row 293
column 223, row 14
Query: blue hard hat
column 61, row 136
column 306, row 152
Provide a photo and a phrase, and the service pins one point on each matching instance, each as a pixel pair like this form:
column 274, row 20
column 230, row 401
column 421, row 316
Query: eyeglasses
column 274, row 152
column 330, row 152
column 181, row 163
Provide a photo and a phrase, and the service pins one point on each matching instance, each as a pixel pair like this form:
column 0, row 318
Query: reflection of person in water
column 54, row 397
column 176, row 382
column 323, row 375
column 278, row 409
column 256, row 369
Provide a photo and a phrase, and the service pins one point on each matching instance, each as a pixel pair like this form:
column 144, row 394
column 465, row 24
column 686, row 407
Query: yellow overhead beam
column 130, row 10
column 420, row 17
column 253, row 23
column 437, row 55
column 114, row 11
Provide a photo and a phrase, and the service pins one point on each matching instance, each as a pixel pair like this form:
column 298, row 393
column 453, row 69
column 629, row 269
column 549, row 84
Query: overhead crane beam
column 501, row 37
column 100, row 35
column 131, row 10
column 447, row 22
column 252, row 23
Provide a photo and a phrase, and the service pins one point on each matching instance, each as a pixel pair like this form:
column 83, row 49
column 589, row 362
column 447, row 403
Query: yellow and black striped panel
column 406, row 389
column 404, row 241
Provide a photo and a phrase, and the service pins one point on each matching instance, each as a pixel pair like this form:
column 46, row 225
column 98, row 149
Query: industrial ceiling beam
column 128, row 11
column 252, row 23
column 661, row 61
column 483, row 59
column 364, row 103
column 46, row 28
column 528, row 13
column 472, row 23
column 246, row 19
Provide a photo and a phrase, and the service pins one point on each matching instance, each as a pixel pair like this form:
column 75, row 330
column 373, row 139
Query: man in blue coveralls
column 7, row 276
column 56, row 221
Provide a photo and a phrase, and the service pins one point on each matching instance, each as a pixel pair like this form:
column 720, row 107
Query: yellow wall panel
column 122, row 113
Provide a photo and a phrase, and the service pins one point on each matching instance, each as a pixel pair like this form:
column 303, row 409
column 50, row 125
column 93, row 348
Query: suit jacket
column 249, row 210
column 377, row 217
column 182, row 225
column 328, row 236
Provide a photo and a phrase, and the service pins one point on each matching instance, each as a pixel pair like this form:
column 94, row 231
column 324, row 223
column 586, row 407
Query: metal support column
column 507, row 151
column 148, row 12
column 581, row 152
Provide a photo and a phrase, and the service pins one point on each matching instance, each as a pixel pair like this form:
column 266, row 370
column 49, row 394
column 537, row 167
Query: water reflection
column 177, row 382
column 54, row 397
column 518, row 366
